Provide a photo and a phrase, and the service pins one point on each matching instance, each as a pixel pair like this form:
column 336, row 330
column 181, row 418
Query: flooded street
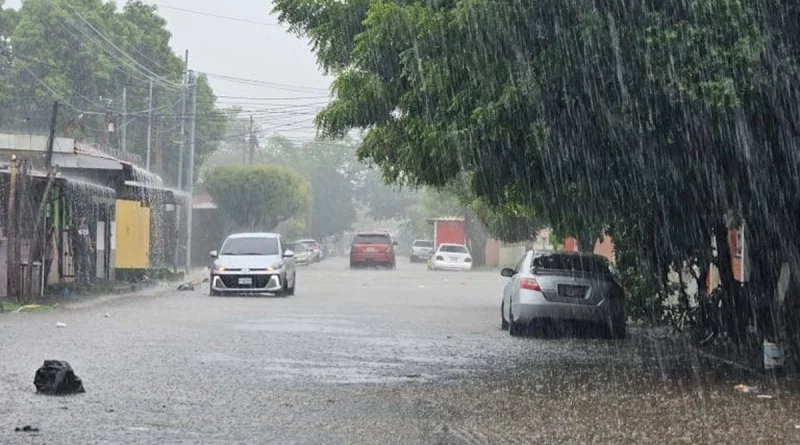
column 362, row 357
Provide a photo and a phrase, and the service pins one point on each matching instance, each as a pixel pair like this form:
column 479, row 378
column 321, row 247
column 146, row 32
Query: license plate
column 571, row 291
column 246, row 281
column 369, row 250
column 452, row 259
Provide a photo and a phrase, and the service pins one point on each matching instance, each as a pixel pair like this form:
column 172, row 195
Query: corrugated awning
column 179, row 196
column 77, row 160
column 78, row 184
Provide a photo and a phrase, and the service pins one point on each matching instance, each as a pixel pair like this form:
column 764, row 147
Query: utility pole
column 48, row 157
column 150, row 124
column 190, row 175
column 181, row 145
column 252, row 143
column 124, row 143
column 11, row 235
column 181, row 148
column 158, row 140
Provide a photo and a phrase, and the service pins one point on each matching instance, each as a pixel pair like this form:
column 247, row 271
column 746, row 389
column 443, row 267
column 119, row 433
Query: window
column 449, row 248
column 423, row 243
column 372, row 239
column 577, row 263
column 521, row 263
column 251, row 246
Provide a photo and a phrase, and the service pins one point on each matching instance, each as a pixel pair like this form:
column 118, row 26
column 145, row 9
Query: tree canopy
column 661, row 123
column 258, row 197
column 83, row 53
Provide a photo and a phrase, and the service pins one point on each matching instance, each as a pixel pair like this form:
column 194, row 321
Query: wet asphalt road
column 361, row 357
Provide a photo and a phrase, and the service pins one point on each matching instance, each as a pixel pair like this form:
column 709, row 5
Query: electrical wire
column 218, row 16
column 160, row 79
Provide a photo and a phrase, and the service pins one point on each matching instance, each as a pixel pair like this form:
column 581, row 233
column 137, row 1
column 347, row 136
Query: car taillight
column 529, row 284
column 439, row 258
column 468, row 260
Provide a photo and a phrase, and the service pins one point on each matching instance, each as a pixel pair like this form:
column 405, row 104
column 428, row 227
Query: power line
column 261, row 83
column 273, row 98
column 134, row 70
column 158, row 78
column 218, row 16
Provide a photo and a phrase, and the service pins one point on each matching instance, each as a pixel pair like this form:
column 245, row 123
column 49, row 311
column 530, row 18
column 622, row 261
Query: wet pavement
column 363, row 357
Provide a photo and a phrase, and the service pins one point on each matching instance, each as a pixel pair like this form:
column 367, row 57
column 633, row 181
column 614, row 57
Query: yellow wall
column 133, row 235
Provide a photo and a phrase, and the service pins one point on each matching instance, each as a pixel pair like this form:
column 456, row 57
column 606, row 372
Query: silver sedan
column 563, row 286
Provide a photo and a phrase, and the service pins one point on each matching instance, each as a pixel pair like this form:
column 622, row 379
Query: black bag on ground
column 56, row 377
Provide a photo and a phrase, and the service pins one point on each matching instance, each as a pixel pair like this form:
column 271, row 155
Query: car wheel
column 411, row 259
column 618, row 330
column 503, row 321
column 514, row 329
column 290, row 291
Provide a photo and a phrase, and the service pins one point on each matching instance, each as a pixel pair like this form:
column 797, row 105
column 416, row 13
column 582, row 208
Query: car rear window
column 577, row 263
column 453, row 249
column 371, row 239
column 423, row 243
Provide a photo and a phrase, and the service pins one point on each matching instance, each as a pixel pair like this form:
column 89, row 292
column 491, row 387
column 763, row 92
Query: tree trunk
column 723, row 262
column 586, row 242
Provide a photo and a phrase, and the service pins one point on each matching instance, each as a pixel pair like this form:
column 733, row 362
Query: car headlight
column 219, row 269
column 276, row 266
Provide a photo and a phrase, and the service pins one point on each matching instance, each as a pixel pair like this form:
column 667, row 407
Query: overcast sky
column 250, row 51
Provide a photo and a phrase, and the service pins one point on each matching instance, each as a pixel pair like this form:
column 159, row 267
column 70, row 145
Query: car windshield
column 423, row 243
column 371, row 239
column 447, row 248
column 577, row 263
column 251, row 246
column 297, row 247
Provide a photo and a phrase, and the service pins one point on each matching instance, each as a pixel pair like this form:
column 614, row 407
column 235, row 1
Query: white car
column 451, row 257
column 314, row 247
column 253, row 263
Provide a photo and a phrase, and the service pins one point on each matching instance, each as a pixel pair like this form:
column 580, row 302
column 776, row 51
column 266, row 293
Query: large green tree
column 258, row 197
column 660, row 122
column 84, row 53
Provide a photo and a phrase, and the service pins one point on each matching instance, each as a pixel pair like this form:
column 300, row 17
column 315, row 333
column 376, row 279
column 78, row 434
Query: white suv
column 421, row 250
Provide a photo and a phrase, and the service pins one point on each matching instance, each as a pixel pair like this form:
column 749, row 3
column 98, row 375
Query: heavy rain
column 433, row 222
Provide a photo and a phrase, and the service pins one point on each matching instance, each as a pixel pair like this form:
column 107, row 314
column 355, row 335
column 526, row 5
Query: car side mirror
column 288, row 254
column 213, row 254
column 394, row 243
column 507, row 272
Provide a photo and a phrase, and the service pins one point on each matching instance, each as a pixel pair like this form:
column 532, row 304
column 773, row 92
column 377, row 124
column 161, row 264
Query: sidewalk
column 117, row 292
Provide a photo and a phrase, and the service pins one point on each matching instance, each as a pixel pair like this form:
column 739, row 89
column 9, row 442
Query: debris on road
column 56, row 377
column 764, row 396
column 61, row 325
column 107, row 315
column 744, row 388
column 186, row 287
column 26, row 429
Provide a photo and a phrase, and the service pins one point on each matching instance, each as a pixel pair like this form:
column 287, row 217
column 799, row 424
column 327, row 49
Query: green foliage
column 52, row 54
column 325, row 165
column 651, row 120
column 258, row 197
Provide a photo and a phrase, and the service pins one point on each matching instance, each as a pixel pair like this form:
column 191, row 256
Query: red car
column 372, row 249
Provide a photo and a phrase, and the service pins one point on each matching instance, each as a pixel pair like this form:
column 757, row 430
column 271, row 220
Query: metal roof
column 447, row 218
